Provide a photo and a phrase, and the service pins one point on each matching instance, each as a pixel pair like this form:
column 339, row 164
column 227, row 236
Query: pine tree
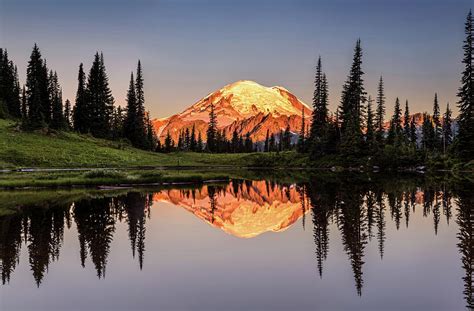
column 353, row 98
column 140, row 121
column 80, row 114
column 428, row 139
column 380, row 113
column 406, row 122
column 9, row 88
column 301, row 137
column 39, row 108
column 200, row 144
column 57, row 120
column 319, row 117
column 266, row 147
column 272, row 143
column 24, row 105
column 99, row 99
column 212, row 131
column 193, row 142
column 150, row 133
column 169, row 144
column 465, row 136
column 286, row 138
column 437, row 121
column 395, row 130
column 130, row 125
column 413, row 135
column 67, row 114
column 370, row 135
column 235, row 141
column 248, row 144
column 447, row 131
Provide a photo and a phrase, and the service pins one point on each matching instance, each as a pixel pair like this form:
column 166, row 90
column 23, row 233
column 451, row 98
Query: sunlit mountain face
column 245, row 106
column 242, row 209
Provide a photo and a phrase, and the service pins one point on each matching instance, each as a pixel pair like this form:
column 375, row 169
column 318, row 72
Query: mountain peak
column 238, row 102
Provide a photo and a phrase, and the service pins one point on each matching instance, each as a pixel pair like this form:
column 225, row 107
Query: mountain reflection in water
column 244, row 209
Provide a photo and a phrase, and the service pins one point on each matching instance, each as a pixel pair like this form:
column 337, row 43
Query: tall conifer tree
column 466, row 95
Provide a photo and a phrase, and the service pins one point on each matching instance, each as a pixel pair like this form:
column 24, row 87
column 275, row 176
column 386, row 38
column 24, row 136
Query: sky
column 189, row 48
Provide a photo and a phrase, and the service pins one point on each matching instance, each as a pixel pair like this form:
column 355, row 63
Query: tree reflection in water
column 357, row 210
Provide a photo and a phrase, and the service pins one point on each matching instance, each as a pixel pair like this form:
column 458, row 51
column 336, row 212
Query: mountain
column 242, row 209
column 244, row 105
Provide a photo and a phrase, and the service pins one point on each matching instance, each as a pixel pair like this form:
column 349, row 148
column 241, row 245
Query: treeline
column 358, row 130
column 39, row 103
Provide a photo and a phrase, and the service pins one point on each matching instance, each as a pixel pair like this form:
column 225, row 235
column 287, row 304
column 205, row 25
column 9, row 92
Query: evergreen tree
column 39, row 108
column 353, row 98
column 286, row 141
column 320, row 111
column 248, row 144
column 428, row 139
column 140, row 121
column 130, row 125
column 395, row 130
column 150, row 133
column 169, row 144
column 272, row 144
column 117, row 123
column 380, row 113
column 81, row 113
column 24, row 105
column 301, row 137
column 234, row 141
column 193, row 142
column 370, row 135
column 266, row 147
column 465, row 136
column 437, row 121
column 55, row 93
column 67, row 114
column 212, row 131
column 200, row 144
column 413, row 135
column 447, row 131
column 10, row 103
column 406, row 122
column 99, row 99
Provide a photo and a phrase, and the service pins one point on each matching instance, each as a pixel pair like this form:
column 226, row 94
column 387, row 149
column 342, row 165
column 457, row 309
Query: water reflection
column 359, row 212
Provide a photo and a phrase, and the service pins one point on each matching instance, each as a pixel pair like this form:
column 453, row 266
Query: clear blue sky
column 191, row 47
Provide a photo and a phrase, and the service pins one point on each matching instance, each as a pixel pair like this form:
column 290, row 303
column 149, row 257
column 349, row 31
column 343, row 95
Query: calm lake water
column 243, row 245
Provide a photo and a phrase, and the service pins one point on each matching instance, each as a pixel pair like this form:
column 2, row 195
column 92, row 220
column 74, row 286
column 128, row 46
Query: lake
column 313, row 244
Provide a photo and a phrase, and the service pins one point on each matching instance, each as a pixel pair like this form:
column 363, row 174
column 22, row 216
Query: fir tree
column 39, row 108
column 57, row 120
column 9, row 87
column 212, row 131
column 80, row 114
column 406, row 122
column 353, row 98
column 200, row 144
column 447, row 131
column 437, row 121
column 395, row 130
column 428, row 139
column 380, row 113
column 150, row 133
column 24, row 105
column 301, row 137
column 266, row 147
column 169, row 144
column 67, row 114
column 413, row 135
column 140, row 121
column 370, row 135
column 130, row 125
column 320, row 111
column 192, row 144
column 465, row 136
column 248, row 144
column 99, row 99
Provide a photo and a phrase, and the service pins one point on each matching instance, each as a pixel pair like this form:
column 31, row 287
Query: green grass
column 71, row 150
